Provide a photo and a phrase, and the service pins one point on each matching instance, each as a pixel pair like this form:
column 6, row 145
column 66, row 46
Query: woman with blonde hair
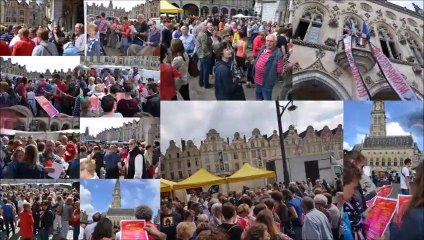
column 265, row 217
column 29, row 168
column 185, row 230
column 17, row 157
column 88, row 169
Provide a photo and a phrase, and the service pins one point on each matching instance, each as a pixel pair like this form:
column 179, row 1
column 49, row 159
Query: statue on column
column 418, row 9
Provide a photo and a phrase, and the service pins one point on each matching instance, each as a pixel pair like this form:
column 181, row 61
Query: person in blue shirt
column 295, row 212
column 112, row 161
column 9, row 212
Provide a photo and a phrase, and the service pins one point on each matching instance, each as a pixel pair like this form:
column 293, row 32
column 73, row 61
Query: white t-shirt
column 404, row 171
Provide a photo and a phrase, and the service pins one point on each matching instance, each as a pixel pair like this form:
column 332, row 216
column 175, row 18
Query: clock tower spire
column 378, row 120
column 117, row 195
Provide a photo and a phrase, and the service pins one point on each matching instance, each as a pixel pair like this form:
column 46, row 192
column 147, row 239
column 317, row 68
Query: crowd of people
column 130, row 161
column 120, row 93
column 30, row 158
column 232, row 52
column 62, row 92
column 300, row 211
column 359, row 188
column 42, row 41
column 39, row 211
column 137, row 37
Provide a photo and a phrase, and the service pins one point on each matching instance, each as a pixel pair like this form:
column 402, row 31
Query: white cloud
column 141, row 192
column 347, row 146
column 85, row 197
column 395, row 129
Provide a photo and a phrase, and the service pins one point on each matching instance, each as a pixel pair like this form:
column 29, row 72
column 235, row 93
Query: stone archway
column 191, row 10
column 224, row 11
column 54, row 127
column 240, row 11
column 204, row 11
column 233, row 11
column 215, row 10
column 246, row 13
column 65, row 126
column 315, row 85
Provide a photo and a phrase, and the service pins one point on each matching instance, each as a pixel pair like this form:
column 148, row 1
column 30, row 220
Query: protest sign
column 133, row 229
column 47, row 106
column 402, row 205
column 379, row 217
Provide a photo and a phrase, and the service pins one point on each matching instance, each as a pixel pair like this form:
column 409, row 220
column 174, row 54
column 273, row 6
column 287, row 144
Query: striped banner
column 393, row 77
column 361, row 89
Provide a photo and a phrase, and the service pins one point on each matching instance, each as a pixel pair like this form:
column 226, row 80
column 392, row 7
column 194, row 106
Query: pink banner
column 402, row 205
column 357, row 77
column 47, row 106
column 385, row 191
column 379, row 217
column 370, row 202
column 395, row 79
column 119, row 96
column 133, row 229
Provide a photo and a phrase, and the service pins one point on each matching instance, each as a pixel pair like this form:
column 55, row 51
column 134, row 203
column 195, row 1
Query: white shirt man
column 405, row 187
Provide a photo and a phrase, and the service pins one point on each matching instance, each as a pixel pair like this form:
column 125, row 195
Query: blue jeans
column 124, row 45
column 205, row 65
column 44, row 233
column 404, row 191
column 76, row 232
column 263, row 93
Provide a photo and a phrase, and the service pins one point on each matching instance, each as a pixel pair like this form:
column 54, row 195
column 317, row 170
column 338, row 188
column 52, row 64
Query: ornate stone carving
column 390, row 15
column 330, row 42
column 352, row 7
column 395, row 26
column 369, row 81
column 402, row 39
column 319, row 53
column 367, row 15
column 417, row 69
column 313, row 45
column 412, row 22
column 410, row 59
column 416, row 30
column 403, row 21
column 335, row 8
column 317, row 65
column 337, row 73
column 366, row 7
column 379, row 13
column 333, row 22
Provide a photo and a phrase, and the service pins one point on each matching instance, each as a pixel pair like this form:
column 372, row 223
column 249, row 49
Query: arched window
column 387, row 43
column 383, row 163
column 310, row 24
column 395, row 162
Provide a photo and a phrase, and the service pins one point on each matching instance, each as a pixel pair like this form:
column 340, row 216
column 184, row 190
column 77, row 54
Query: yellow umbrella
column 166, row 7
column 166, row 185
column 200, row 178
column 248, row 172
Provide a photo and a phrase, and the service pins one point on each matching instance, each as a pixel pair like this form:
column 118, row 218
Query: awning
column 248, row 172
column 166, row 7
column 200, row 178
column 166, row 185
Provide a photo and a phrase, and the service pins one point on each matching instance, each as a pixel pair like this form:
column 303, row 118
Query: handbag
column 192, row 68
column 237, row 92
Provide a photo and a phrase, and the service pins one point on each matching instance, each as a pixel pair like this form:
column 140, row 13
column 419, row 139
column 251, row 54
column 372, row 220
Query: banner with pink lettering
column 394, row 78
column 402, row 206
column 361, row 89
column 379, row 217
column 47, row 106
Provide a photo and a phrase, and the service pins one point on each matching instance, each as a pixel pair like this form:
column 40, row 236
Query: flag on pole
column 365, row 31
column 352, row 27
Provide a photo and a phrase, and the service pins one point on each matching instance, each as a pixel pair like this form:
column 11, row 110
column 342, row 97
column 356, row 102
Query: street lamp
column 280, row 111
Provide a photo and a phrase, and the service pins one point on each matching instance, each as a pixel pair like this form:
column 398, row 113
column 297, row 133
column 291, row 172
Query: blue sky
column 403, row 118
column 96, row 195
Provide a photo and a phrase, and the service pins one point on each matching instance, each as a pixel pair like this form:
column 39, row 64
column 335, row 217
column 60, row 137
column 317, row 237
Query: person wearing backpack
column 405, row 186
column 45, row 48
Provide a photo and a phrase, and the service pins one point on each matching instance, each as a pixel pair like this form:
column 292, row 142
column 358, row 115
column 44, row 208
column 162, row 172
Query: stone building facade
column 272, row 10
column 144, row 62
column 39, row 124
column 150, row 9
column 145, row 129
column 223, row 157
column 32, row 13
column 387, row 153
column 322, row 70
column 7, row 67
column 215, row 7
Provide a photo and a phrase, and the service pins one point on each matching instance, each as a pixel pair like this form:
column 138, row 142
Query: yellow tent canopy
column 248, row 172
column 166, row 7
column 166, row 185
column 199, row 179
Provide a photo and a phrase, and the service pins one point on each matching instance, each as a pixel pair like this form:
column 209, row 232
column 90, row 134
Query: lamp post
column 280, row 112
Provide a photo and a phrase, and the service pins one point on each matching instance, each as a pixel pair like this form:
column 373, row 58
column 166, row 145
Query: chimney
column 244, row 138
column 183, row 145
column 265, row 136
column 228, row 140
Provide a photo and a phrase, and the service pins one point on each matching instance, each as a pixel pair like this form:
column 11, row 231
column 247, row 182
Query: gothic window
column 310, row 24
column 178, row 155
column 188, row 163
column 387, row 43
column 235, row 156
column 383, row 162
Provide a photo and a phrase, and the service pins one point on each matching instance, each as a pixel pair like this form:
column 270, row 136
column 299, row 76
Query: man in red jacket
column 24, row 46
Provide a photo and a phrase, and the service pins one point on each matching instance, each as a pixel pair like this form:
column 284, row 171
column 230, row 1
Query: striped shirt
column 260, row 66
